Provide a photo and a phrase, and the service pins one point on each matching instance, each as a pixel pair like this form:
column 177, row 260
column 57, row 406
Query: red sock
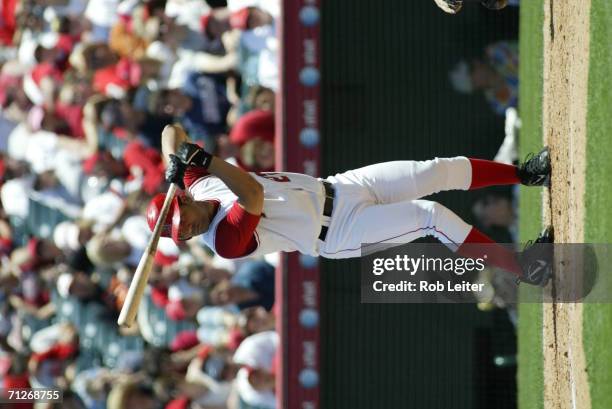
column 497, row 255
column 488, row 173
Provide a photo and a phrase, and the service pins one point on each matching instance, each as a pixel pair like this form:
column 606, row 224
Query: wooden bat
column 141, row 276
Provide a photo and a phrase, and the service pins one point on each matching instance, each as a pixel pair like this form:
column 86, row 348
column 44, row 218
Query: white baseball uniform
column 373, row 204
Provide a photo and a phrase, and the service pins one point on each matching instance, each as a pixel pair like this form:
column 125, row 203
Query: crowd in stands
column 86, row 87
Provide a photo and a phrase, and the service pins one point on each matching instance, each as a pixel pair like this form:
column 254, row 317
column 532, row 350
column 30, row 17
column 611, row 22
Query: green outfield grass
column 530, row 359
column 598, row 223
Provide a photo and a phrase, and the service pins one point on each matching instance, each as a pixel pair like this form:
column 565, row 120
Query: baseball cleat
column 537, row 261
column 535, row 171
column 494, row 4
column 450, row 6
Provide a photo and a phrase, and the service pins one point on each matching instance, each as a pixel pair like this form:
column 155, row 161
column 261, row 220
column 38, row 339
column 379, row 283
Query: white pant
column 377, row 204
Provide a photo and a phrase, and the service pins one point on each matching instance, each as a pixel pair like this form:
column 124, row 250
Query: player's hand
column 191, row 154
column 176, row 171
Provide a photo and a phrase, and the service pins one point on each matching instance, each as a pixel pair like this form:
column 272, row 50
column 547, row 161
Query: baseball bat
column 141, row 276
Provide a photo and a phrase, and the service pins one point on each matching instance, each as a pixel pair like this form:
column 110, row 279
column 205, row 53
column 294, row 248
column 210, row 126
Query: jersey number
column 277, row 177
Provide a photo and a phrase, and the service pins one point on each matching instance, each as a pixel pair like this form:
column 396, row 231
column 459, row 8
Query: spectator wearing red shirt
column 114, row 80
column 149, row 161
column 43, row 81
column 7, row 21
column 72, row 115
column 137, row 159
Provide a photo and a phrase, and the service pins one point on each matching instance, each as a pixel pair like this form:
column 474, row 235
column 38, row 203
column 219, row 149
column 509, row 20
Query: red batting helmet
column 173, row 219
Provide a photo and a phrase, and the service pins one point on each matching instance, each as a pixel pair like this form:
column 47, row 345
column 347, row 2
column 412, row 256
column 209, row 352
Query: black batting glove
column 175, row 171
column 192, row 155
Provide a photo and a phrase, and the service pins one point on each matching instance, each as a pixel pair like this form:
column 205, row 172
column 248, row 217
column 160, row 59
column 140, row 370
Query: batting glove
column 175, row 171
column 192, row 155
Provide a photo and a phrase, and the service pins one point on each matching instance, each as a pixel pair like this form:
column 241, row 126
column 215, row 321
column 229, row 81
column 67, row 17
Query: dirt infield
column 566, row 56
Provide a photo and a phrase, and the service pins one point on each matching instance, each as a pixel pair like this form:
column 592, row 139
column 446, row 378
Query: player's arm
column 249, row 191
column 175, row 143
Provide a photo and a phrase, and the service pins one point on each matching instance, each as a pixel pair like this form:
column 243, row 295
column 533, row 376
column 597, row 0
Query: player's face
column 264, row 155
column 194, row 219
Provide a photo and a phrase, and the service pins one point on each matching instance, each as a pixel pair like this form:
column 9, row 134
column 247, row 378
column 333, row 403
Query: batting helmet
column 173, row 219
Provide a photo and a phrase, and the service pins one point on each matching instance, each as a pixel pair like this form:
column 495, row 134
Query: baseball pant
column 381, row 204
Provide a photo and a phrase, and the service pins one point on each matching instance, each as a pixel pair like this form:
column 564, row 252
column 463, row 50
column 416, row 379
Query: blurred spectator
column 251, row 285
column 220, row 327
column 261, row 98
column 253, row 134
column 53, row 349
column 93, row 387
column 495, row 74
column 102, row 14
column 494, row 210
column 201, row 106
column 256, row 379
column 38, row 253
column 258, row 319
column 214, row 370
column 72, row 236
column 6, row 235
column 8, row 23
column 13, row 98
column 130, row 394
column 132, row 33
column 138, row 161
column 79, row 285
column 108, row 250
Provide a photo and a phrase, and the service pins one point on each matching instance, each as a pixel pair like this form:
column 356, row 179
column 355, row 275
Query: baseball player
column 242, row 214
column 453, row 6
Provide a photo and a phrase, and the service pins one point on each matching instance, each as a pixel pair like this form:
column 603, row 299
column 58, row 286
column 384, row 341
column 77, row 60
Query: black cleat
column 537, row 261
column 535, row 171
column 453, row 6
column 450, row 6
column 494, row 4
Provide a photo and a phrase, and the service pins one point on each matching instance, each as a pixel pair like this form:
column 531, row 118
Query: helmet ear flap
column 173, row 219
